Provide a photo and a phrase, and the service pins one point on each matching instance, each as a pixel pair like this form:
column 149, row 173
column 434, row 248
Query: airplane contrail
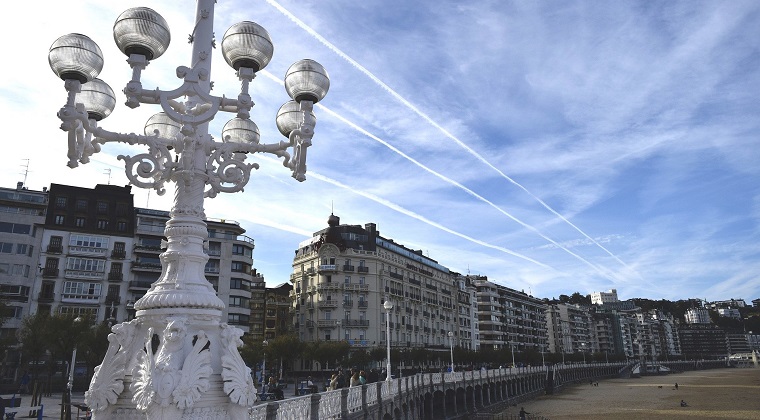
column 446, row 179
column 430, row 121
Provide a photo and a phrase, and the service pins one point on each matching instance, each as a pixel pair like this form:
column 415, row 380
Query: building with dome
column 343, row 275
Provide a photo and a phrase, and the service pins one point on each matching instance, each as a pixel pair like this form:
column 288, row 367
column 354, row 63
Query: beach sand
column 710, row 394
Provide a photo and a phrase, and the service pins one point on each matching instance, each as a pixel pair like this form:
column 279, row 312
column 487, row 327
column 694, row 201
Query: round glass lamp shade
column 289, row 117
column 98, row 99
column 307, row 80
column 167, row 128
column 142, row 31
column 75, row 56
column 241, row 131
column 247, row 44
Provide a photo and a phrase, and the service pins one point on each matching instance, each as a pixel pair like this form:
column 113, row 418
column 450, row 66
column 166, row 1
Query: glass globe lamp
column 167, row 128
column 247, row 44
column 307, row 80
column 142, row 31
column 289, row 117
column 241, row 131
column 98, row 99
column 75, row 56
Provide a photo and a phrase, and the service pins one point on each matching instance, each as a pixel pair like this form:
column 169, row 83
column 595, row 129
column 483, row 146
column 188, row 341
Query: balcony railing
column 327, row 304
column 55, row 249
column 115, row 276
column 46, row 297
column 362, row 269
column 119, row 254
column 347, row 267
column 363, row 303
column 49, row 272
column 327, row 268
column 81, row 274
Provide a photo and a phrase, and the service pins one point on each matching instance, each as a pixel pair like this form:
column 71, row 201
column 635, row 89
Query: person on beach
column 523, row 413
column 683, row 403
column 676, row 385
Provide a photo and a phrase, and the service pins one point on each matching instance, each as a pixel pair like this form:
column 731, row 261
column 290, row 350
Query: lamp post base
column 166, row 366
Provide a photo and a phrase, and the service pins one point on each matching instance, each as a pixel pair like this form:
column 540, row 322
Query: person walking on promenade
column 676, row 386
column 523, row 414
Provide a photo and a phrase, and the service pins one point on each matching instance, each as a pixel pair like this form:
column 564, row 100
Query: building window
column 15, row 228
column 102, row 207
column 242, row 250
column 81, row 290
column 85, row 264
column 79, row 311
column 122, row 209
column 121, row 226
column 89, row 241
column 81, row 205
column 238, row 302
column 59, row 219
column 60, row 202
column 6, row 247
column 102, row 224
column 240, row 284
column 80, row 222
column 239, row 267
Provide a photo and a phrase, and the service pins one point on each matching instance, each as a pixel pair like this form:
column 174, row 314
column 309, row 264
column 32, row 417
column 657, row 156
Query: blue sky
column 554, row 146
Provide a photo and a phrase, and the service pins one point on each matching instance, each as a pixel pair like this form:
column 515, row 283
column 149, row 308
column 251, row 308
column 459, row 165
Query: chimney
column 19, row 186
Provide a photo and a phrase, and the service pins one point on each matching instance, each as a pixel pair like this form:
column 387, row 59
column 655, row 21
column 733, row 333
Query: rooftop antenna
column 108, row 171
column 26, row 170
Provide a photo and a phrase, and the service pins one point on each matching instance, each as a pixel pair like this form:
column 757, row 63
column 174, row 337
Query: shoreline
column 729, row 393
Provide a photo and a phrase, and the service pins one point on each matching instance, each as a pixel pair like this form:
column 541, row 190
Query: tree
column 286, row 348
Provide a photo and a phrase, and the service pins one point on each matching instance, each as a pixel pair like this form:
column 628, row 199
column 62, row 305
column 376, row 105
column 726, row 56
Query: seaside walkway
column 447, row 395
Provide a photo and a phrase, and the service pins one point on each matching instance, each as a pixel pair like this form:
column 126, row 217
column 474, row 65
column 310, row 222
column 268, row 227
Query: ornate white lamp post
column 388, row 306
column 451, row 346
column 177, row 359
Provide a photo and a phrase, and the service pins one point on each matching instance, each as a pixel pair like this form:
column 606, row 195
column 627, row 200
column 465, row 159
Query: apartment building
column 571, row 329
column 86, row 239
column 22, row 212
column 229, row 268
column 344, row 274
column 99, row 255
column 600, row 298
column 509, row 318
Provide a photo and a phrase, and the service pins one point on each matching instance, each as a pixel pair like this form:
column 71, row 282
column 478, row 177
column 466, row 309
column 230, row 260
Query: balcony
column 46, row 297
column 362, row 304
column 327, row 268
column 118, row 254
column 394, row 275
column 87, row 251
column 348, row 303
column 311, row 271
column 363, row 269
column 113, row 299
column 49, row 272
column 329, row 286
column 214, row 252
column 84, row 275
column 148, row 266
column 139, row 285
column 349, row 268
column 115, row 276
column 327, row 323
column 356, row 323
column 328, row 304
column 55, row 249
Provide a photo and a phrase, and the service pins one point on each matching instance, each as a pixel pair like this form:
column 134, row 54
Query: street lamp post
column 451, row 345
column 388, row 306
column 66, row 406
column 583, row 352
column 512, row 347
column 339, row 323
column 264, row 379
column 196, row 362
